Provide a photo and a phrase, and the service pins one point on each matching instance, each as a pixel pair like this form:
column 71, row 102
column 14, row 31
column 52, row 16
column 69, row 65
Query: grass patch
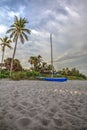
column 4, row 74
column 30, row 75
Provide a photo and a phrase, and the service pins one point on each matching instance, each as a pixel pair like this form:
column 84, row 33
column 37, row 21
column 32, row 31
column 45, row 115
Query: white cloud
column 61, row 17
column 19, row 12
column 12, row 14
column 3, row 29
column 72, row 12
column 71, row 55
column 40, row 33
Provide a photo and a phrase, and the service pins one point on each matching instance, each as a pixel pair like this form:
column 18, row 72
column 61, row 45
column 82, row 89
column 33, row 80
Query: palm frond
column 10, row 30
column 8, row 46
column 21, row 38
column 9, row 41
column 4, row 39
column 24, row 20
column 15, row 18
column 1, row 39
column 25, row 36
column 26, row 30
column 15, row 38
column 12, row 34
column 12, row 26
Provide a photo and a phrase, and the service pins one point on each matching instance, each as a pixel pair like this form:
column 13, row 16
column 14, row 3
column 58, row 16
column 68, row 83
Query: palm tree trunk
column 13, row 58
column 2, row 60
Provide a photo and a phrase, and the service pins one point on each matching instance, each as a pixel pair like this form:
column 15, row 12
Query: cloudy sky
column 65, row 19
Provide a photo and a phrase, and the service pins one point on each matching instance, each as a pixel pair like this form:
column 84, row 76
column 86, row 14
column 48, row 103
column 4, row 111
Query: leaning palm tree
column 18, row 31
column 5, row 42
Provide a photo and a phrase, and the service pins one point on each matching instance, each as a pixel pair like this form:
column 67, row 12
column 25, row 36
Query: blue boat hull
column 56, row 79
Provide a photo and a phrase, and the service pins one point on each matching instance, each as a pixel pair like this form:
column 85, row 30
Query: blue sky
column 65, row 19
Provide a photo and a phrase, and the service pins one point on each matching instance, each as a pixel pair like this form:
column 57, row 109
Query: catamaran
column 57, row 79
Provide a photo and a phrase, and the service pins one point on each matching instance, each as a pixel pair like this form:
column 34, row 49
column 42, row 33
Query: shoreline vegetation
column 39, row 68
column 32, row 75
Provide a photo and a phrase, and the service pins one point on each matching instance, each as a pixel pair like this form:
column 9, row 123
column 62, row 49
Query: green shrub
column 24, row 75
column 4, row 73
column 18, row 75
column 28, row 74
column 75, row 78
column 3, row 76
column 35, row 73
column 32, row 73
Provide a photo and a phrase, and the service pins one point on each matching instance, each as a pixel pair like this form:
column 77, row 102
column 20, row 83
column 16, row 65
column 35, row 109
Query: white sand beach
column 42, row 105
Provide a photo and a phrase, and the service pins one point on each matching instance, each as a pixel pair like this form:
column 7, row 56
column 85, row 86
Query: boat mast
column 51, row 53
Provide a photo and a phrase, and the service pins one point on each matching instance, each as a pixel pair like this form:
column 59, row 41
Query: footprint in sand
column 39, row 127
column 53, row 109
column 23, row 122
column 24, row 103
column 33, row 112
column 18, row 108
column 45, row 122
column 30, row 113
column 58, row 122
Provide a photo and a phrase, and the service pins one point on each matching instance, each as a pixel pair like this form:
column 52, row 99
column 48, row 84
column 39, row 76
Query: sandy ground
column 42, row 105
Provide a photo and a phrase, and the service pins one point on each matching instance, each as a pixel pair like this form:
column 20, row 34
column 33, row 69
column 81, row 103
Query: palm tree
column 33, row 61
column 44, row 64
column 36, row 62
column 18, row 31
column 39, row 58
column 5, row 42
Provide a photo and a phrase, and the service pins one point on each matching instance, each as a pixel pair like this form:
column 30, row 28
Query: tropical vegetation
column 72, row 73
column 37, row 64
column 37, row 69
column 16, row 64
